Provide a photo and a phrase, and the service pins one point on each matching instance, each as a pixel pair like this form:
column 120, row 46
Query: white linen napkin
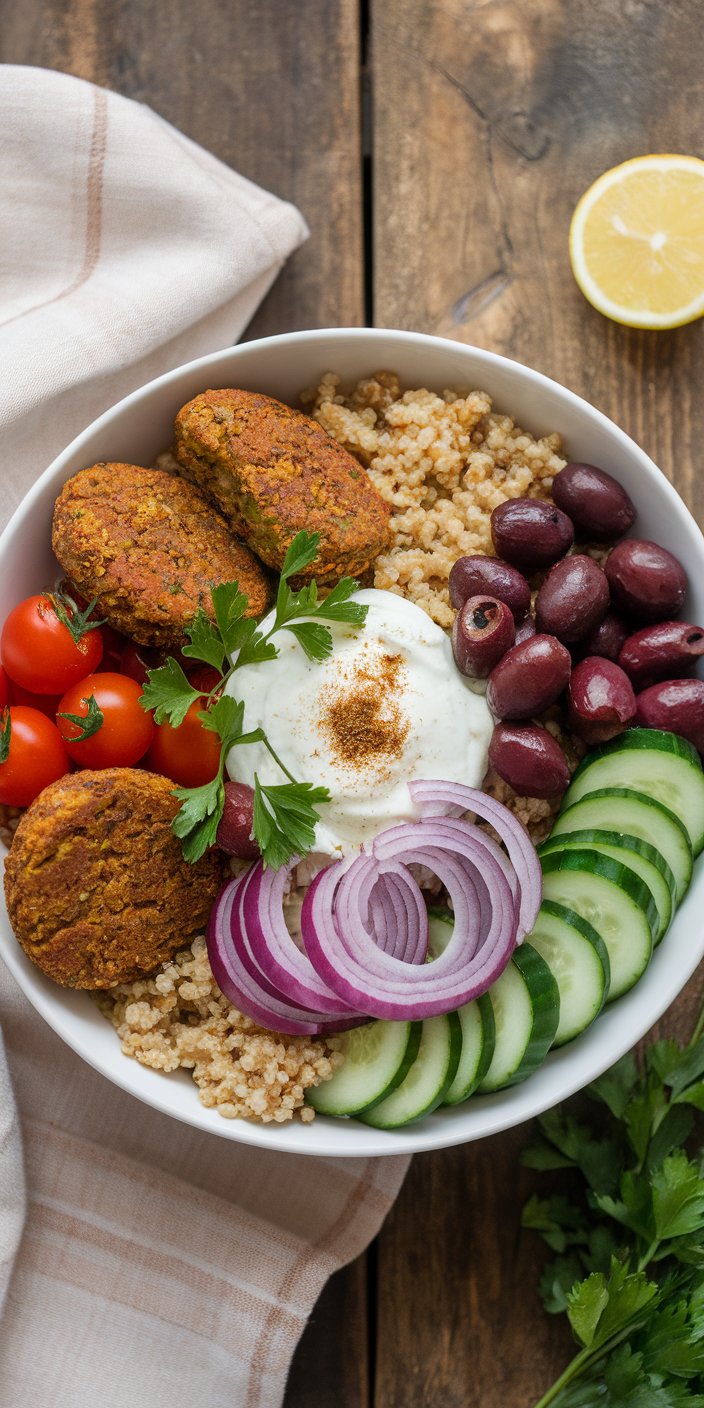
column 158, row 1266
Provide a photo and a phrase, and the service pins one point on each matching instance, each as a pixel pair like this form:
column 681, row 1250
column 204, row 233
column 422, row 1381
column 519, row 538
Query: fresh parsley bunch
column 285, row 816
column 629, row 1270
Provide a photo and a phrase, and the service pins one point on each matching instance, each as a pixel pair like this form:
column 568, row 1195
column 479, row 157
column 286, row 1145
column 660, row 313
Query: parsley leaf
column 205, row 642
column 87, row 724
column 630, row 1240
column 168, row 692
column 315, row 640
column 285, row 817
column 196, row 822
column 336, row 606
column 301, row 552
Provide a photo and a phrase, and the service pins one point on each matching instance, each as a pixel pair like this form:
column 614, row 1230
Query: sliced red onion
column 251, row 994
column 272, row 948
column 351, row 962
column 440, row 798
column 365, row 884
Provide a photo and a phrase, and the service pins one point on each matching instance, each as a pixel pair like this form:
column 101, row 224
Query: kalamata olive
column 675, row 705
column 482, row 632
column 573, row 598
column 234, row 833
column 645, row 580
column 474, row 576
column 607, row 638
column 526, row 629
column 529, row 678
column 529, row 759
column 530, row 532
column 600, row 700
column 597, row 504
column 661, row 652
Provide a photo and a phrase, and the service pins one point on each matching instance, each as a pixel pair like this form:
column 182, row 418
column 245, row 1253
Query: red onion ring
column 363, row 975
column 272, row 948
column 235, row 974
column 437, row 798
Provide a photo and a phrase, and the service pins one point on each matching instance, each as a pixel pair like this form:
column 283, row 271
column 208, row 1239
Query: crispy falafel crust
column 273, row 471
column 148, row 546
column 97, row 889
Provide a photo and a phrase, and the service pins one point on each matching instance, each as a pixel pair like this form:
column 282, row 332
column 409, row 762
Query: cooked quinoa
column 443, row 462
column 179, row 1017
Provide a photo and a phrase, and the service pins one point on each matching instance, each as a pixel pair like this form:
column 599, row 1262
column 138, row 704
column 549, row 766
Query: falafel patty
column 97, row 889
column 149, row 547
column 273, row 471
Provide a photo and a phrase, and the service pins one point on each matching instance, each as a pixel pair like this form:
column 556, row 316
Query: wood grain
column 272, row 89
column 490, row 119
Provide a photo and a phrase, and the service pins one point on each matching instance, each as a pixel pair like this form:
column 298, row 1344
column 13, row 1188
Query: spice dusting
column 362, row 716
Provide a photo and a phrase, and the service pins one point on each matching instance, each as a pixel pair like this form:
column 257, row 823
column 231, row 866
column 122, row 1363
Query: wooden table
column 437, row 151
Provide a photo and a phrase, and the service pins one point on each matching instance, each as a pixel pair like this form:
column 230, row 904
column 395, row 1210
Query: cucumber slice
column 478, row 1036
column 614, row 900
column 378, row 1056
column 429, row 1078
column 621, row 809
column 579, row 963
column 639, row 855
column 476, row 1019
column 526, row 1004
column 662, row 765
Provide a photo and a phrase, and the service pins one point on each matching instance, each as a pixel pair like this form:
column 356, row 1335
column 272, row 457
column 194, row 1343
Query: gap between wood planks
column 367, row 138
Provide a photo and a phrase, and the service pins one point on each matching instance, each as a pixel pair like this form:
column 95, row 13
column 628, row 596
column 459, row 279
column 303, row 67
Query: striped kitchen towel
column 156, row 1266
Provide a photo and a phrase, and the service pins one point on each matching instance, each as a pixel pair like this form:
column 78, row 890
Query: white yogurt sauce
column 388, row 706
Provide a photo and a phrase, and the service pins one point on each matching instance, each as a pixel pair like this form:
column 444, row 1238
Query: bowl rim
column 507, row 1108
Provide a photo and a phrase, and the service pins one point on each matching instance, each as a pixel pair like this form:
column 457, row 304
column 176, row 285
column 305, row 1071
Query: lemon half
column 637, row 242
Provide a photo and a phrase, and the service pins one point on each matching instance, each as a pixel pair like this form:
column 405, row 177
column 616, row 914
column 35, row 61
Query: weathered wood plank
column 490, row 121
column 270, row 88
column 331, row 1365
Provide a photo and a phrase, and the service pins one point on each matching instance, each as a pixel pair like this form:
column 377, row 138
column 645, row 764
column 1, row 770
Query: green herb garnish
column 629, row 1270
column 285, row 815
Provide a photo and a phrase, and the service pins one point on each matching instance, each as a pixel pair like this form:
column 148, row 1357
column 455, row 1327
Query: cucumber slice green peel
column 378, row 1057
column 639, row 855
column 662, row 765
column 526, row 1003
column 476, row 1019
column 577, row 957
column 429, row 1078
column 614, row 900
column 624, row 810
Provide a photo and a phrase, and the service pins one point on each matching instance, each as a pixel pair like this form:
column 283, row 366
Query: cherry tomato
column 4, row 688
column 36, row 756
column 39, row 652
column 189, row 754
column 45, row 703
column 124, row 734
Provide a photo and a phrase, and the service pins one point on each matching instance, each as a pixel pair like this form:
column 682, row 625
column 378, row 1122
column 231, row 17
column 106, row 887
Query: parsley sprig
column 629, row 1269
column 285, row 815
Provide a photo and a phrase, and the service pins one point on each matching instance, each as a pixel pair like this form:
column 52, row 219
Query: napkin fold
column 157, row 1265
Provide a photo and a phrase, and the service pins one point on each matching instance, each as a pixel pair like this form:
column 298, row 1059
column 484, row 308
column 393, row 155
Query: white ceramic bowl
column 136, row 430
